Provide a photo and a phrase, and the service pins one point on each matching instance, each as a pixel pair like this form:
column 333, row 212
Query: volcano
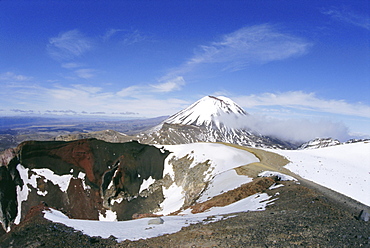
column 210, row 120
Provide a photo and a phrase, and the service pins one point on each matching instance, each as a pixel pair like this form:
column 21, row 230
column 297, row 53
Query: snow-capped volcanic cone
column 208, row 120
column 207, row 112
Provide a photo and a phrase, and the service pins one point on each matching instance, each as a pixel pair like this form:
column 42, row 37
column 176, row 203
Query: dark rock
column 156, row 221
column 364, row 216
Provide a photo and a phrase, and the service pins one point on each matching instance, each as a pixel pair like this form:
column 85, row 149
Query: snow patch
column 22, row 194
column 174, row 199
column 82, row 176
column 146, row 183
column 62, row 181
column 109, row 216
column 222, row 159
column 223, row 182
column 275, row 186
column 138, row 229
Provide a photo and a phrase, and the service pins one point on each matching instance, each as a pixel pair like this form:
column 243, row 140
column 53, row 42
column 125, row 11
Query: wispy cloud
column 85, row 73
column 71, row 65
column 85, row 99
column 131, row 91
column 304, row 101
column 248, row 45
column 348, row 16
column 134, row 37
column 127, row 37
column 110, row 33
column 169, row 85
column 68, row 45
column 235, row 51
column 11, row 77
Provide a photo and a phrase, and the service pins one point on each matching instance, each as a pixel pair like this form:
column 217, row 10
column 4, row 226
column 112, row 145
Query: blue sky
column 305, row 61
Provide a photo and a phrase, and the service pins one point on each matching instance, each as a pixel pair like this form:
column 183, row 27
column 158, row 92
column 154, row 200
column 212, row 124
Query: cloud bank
column 293, row 130
column 304, row 102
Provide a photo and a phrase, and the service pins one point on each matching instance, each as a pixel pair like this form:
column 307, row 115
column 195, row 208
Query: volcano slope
column 301, row 215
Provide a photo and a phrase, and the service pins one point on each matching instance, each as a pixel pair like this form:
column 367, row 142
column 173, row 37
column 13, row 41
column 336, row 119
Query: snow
column 139, row 229
column 173, row 201
column 275, row 186
column 109, row 216
column 62, row 181
column 22, row 194
column 223, row 159
column 221, row 156
column 30, row 181
column 342, row 168
column 146, row 183
column 223, row 182
column 82, row 176
column 204, row 111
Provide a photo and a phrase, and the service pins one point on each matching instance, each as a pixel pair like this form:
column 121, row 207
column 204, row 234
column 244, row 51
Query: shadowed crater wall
column 82, row 178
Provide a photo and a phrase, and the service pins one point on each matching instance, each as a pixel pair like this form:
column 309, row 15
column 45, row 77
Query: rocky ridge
column 326, row 142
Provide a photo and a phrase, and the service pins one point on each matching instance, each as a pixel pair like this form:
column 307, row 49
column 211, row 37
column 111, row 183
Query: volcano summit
column 208, row 120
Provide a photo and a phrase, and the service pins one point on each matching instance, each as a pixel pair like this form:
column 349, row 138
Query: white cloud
column 71, row 65
column 89, row 99
column 248, row 45
column 85, row 73
column 134, row 37
column 111, row 32
column 169, row 85
column 293, row 130
column 11, row 76
column 348, row 16
column 286, row 123
column 131, row 91
column 128, row 37
column 235, row 51
column 68, row 45
column 304, row 101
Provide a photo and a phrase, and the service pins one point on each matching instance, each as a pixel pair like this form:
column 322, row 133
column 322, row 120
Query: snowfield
column 221, row 175
column 141, row 229
column 342, row 168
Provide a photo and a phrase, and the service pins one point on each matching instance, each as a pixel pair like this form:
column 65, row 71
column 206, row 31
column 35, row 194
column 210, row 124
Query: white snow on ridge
column 344, row 168
column 222, row 159
column 223, row 182
column 206, row 110
column 139, row 229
